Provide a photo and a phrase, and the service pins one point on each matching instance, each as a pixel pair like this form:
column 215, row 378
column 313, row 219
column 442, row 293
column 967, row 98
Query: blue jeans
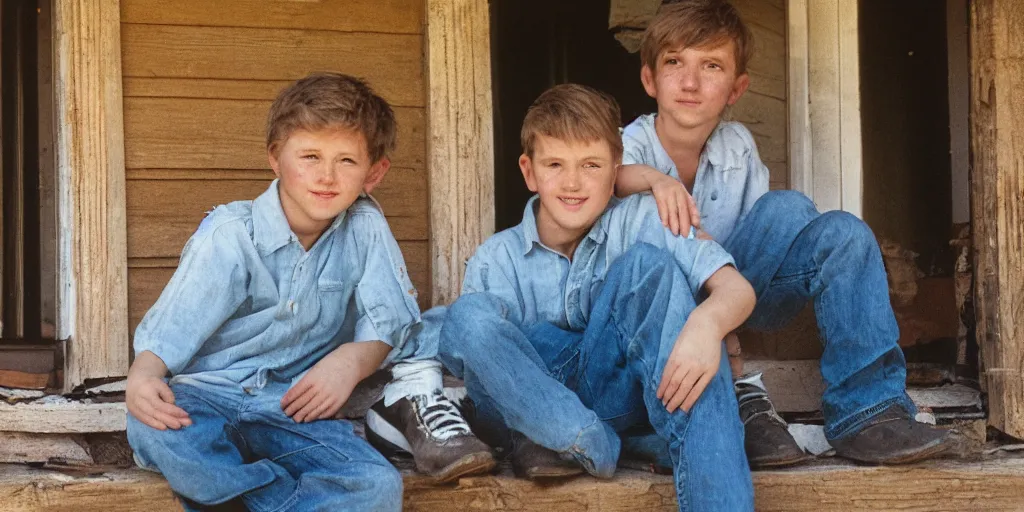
column 554, row 385
column 241, row 443
column 793, row 254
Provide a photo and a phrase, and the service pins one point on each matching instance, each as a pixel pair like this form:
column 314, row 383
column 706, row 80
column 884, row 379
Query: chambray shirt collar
column 717, row 150
column 269, row 224
column 531, row 237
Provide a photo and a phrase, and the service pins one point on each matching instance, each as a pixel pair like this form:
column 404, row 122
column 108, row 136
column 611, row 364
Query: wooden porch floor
column 993, row 484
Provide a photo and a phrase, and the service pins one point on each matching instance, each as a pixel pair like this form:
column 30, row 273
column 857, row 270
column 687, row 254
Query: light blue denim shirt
column 541, row 285
column 730, row 175
column 248, row 300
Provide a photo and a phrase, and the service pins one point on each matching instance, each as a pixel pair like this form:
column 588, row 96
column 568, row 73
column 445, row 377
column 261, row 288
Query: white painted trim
column 824, row 103
column 850, row 147
column 800, row 172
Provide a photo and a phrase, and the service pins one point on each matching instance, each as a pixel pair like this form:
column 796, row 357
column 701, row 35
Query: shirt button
column 293, row 306
column 714, row 196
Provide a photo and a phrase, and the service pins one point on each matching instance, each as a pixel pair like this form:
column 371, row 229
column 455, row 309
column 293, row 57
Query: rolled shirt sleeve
column 205, row 290
column 385, row 297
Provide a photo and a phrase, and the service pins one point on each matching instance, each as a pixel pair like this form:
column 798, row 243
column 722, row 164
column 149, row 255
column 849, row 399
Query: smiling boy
column 694, row 58
column 590, row 318
column 278, row 308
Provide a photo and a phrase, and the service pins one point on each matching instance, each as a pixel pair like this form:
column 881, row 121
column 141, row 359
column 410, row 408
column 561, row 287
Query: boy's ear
column 647, row 78
column 274, row 164
column 526, row 165
column 738, row 88
column 376, row 174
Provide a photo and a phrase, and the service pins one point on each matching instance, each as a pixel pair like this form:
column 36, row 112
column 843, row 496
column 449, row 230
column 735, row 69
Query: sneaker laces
column 440, row 416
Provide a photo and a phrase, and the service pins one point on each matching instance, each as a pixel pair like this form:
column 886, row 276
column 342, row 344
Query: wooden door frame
column 825, row 159
column 997, row 204
column 460, row 145
column 92, row 297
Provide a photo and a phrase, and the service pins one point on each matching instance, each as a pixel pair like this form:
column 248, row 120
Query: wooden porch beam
column 93, row 291
column 997, row 203
column 460, row 145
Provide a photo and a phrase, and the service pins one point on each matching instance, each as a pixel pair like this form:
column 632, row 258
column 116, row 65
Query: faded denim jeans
column 552, row 385
column 793, row 254
column 241, row 443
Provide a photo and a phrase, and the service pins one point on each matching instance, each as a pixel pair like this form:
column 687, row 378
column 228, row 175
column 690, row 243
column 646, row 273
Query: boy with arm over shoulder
column 694, row 56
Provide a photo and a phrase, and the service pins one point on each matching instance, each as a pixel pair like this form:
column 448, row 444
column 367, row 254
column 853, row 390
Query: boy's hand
column 676, row 207
column 151, row 401
column 691, row 365
column 323, row 390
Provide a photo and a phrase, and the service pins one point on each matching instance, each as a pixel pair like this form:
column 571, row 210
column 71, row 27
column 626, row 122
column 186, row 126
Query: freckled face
column 694, row 85
column 575, row 180
column 321, row 174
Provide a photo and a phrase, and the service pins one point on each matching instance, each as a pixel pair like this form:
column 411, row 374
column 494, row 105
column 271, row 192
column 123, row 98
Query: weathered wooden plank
column 997, row 190
column 461, row 141
column 393, row 64
column 187, row 133
column 387, row 16
column 93, row 292
column 765, row 117
column 213, row 88
column 163, row 214
column 19, row 447
column 63, row 418
column 797, row 386
column 937, row 486
column 26, row 489
column 145, row 281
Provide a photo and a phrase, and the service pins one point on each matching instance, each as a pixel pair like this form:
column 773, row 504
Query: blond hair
column 323, row 100
column 573, row 112
column 696, row 24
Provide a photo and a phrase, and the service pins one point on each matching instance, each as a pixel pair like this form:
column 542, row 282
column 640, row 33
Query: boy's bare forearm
column 730, row 301
column 364, row 357
column 632, row 179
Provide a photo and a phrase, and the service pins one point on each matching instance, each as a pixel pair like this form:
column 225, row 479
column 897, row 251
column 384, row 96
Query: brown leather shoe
column 432, row 429
column 533, row 461
column 766, row 440
column 894, row 437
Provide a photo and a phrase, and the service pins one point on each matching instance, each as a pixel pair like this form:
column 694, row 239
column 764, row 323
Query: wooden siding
column 763, row 108
column 198, row 81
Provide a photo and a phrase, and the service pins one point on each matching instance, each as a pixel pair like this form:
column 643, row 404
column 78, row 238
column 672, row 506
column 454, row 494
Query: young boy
column 694, row 56
column 278, row 308
column 583, row 320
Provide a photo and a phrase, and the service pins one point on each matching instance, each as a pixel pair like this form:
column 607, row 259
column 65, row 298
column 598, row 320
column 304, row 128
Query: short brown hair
column 696, row 24
column 323, row 100
column 573, row 112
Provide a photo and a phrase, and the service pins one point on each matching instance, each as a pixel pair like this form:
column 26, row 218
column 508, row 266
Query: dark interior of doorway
column 536, row 44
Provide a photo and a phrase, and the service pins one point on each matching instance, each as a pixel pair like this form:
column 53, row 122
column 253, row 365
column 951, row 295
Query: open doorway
column 567, row 41
column 914, row 105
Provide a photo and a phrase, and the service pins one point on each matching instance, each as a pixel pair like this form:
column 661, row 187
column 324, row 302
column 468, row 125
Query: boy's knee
column 845, row 229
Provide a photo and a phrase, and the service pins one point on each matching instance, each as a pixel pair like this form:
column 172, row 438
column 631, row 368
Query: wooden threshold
column 944, row 485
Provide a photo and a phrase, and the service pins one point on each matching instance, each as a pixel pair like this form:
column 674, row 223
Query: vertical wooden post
column 93, row 295
column 997, row 203
column 460, row 145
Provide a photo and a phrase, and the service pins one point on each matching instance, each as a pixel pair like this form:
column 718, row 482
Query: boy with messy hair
column 590, row 318
column 706, row 172
column 278, row 308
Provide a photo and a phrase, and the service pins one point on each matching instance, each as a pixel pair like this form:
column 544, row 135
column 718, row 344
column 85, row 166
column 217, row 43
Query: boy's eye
column 671, row 62
column 714, row 65
column 310, row 157
column 348, row 161
column 591, row 165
